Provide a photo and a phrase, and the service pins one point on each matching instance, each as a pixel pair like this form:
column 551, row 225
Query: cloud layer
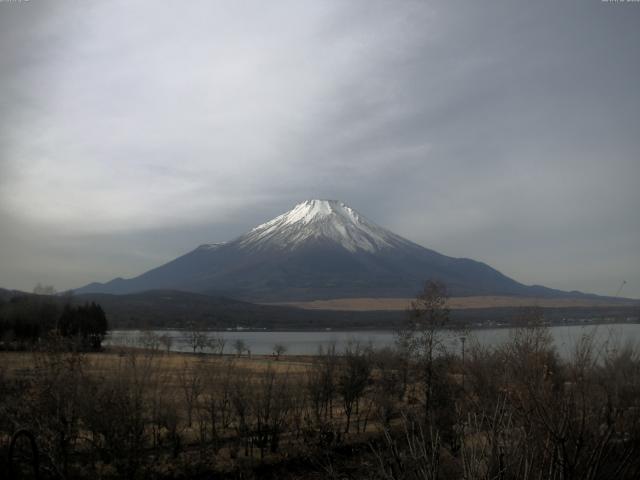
column 133, row 131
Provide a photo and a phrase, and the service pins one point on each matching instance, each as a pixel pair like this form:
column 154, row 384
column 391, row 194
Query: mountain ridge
column 320, row 249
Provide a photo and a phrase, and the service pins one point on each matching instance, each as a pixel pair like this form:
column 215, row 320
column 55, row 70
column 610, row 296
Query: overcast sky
column 504, row 131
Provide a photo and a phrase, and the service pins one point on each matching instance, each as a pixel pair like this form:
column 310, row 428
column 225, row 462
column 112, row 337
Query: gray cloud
column 133, row 131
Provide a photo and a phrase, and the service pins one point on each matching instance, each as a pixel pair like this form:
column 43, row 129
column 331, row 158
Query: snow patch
column 324, row 220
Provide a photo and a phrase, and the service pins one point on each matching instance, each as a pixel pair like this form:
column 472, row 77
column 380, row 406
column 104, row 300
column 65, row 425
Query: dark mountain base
column 170, row 309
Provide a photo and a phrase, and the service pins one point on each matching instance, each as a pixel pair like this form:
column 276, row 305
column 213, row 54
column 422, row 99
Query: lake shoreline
column 375, row 328
column 263, row 342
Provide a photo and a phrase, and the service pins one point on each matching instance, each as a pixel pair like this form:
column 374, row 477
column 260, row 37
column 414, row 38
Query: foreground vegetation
column 413, row 412
column 29, row 320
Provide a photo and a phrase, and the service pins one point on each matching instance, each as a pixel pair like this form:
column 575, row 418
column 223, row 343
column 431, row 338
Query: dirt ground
column 368, row 304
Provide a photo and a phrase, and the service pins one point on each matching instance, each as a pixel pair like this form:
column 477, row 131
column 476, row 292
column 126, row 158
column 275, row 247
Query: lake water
column 308, row 343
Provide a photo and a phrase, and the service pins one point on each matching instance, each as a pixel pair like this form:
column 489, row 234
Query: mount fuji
column 320, row 249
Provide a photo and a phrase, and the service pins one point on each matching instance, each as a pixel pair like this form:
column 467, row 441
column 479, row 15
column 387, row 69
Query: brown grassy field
column 16, row 363
column 461, row 303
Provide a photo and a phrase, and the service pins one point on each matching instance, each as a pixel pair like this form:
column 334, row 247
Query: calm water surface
column 308, row 343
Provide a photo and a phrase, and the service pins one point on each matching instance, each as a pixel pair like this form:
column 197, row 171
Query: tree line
column 27, row 320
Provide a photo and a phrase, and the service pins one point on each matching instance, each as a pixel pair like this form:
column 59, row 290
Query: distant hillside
column 173, row 309
column 7, row 294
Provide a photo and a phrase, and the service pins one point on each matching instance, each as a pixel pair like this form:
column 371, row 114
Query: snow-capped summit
column 320, row 220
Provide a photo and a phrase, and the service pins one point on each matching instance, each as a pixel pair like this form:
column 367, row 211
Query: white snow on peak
column 321, row 220
column 307, row 211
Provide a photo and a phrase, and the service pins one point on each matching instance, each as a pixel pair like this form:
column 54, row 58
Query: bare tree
column 149, row 340
column 117, row 416
column 190, row 382
column 423, row 337
column 321, row 383
column 389, row 379
column 240, row 347
column 217, row 393
column 279, row 349
column 413, row 455
column 270, row 406
column 217, row 343
column 197, row 339
column 241, row 403
column 166, row 341
column 353, row 379
column 55, row 403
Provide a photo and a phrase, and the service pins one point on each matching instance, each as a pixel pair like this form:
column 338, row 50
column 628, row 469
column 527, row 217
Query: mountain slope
column 318, row 250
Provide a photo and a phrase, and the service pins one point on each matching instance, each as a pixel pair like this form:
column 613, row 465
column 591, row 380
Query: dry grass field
column 16, row 363
column 461, row 303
